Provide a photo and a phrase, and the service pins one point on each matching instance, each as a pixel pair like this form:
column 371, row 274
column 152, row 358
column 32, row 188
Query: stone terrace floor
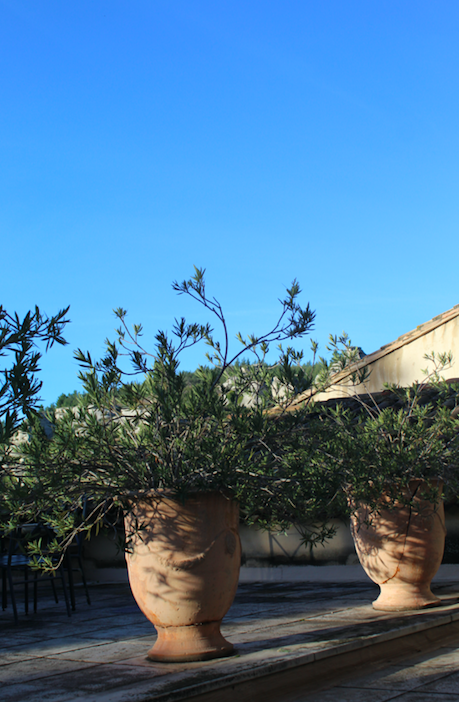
column 295, row 642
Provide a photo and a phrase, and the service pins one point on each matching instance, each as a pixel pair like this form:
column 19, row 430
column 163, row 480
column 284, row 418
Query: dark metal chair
column 16, row 568
column 73, row 563
column 74, row 559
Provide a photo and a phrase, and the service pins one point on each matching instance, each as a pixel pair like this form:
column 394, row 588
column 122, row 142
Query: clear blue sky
column 260, row 139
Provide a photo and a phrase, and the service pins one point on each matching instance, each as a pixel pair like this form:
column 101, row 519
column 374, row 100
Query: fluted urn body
column 401, row 550
column 183, row 565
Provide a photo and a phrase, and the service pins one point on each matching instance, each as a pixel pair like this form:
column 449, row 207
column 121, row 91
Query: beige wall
column 106, row 563
column 264, row 547
column 403, row 365
column 257, row 547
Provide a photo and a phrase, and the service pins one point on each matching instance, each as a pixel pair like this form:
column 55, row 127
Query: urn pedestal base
column 403, row 597
column 200, row 642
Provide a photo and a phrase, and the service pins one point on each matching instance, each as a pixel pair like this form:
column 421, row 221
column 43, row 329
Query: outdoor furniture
column 16, row 569
column 73, row 563
column 74, row 559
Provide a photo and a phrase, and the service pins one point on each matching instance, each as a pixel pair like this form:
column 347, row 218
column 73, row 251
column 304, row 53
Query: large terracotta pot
column 401, row 550
column 183, row 570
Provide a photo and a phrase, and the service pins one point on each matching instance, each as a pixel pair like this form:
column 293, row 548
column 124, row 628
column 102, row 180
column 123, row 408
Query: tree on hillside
column 72, row 399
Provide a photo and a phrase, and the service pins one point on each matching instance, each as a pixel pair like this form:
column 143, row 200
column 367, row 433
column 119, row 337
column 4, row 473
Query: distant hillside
column 303, row 376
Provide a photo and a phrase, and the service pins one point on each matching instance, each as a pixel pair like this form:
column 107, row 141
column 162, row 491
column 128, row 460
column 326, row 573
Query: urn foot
column 197, row 642
column 403, row 597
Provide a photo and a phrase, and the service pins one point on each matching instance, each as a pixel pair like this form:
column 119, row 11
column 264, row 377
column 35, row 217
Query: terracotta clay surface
column 183, row 572
column 401, row 550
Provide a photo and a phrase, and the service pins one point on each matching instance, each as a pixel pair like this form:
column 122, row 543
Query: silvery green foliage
column 373, row 447
column 19, row 351
column 144, row 429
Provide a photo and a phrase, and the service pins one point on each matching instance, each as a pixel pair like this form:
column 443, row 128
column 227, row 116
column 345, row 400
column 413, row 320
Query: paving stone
column 108, row 652
column 418, row 696
column 29, row 692
column 341, row 694
column 448, row 683
column 401, row 678
column 13, row 657
column 36, row 668
column 66, row 644
column 99, row 655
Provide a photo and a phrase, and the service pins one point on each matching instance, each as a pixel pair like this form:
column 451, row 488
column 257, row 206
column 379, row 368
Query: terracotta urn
column 183, row 565
column 401, row 550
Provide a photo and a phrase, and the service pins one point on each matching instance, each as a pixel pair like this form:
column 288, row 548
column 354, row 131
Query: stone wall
column 259, row 548
column 103, row 557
